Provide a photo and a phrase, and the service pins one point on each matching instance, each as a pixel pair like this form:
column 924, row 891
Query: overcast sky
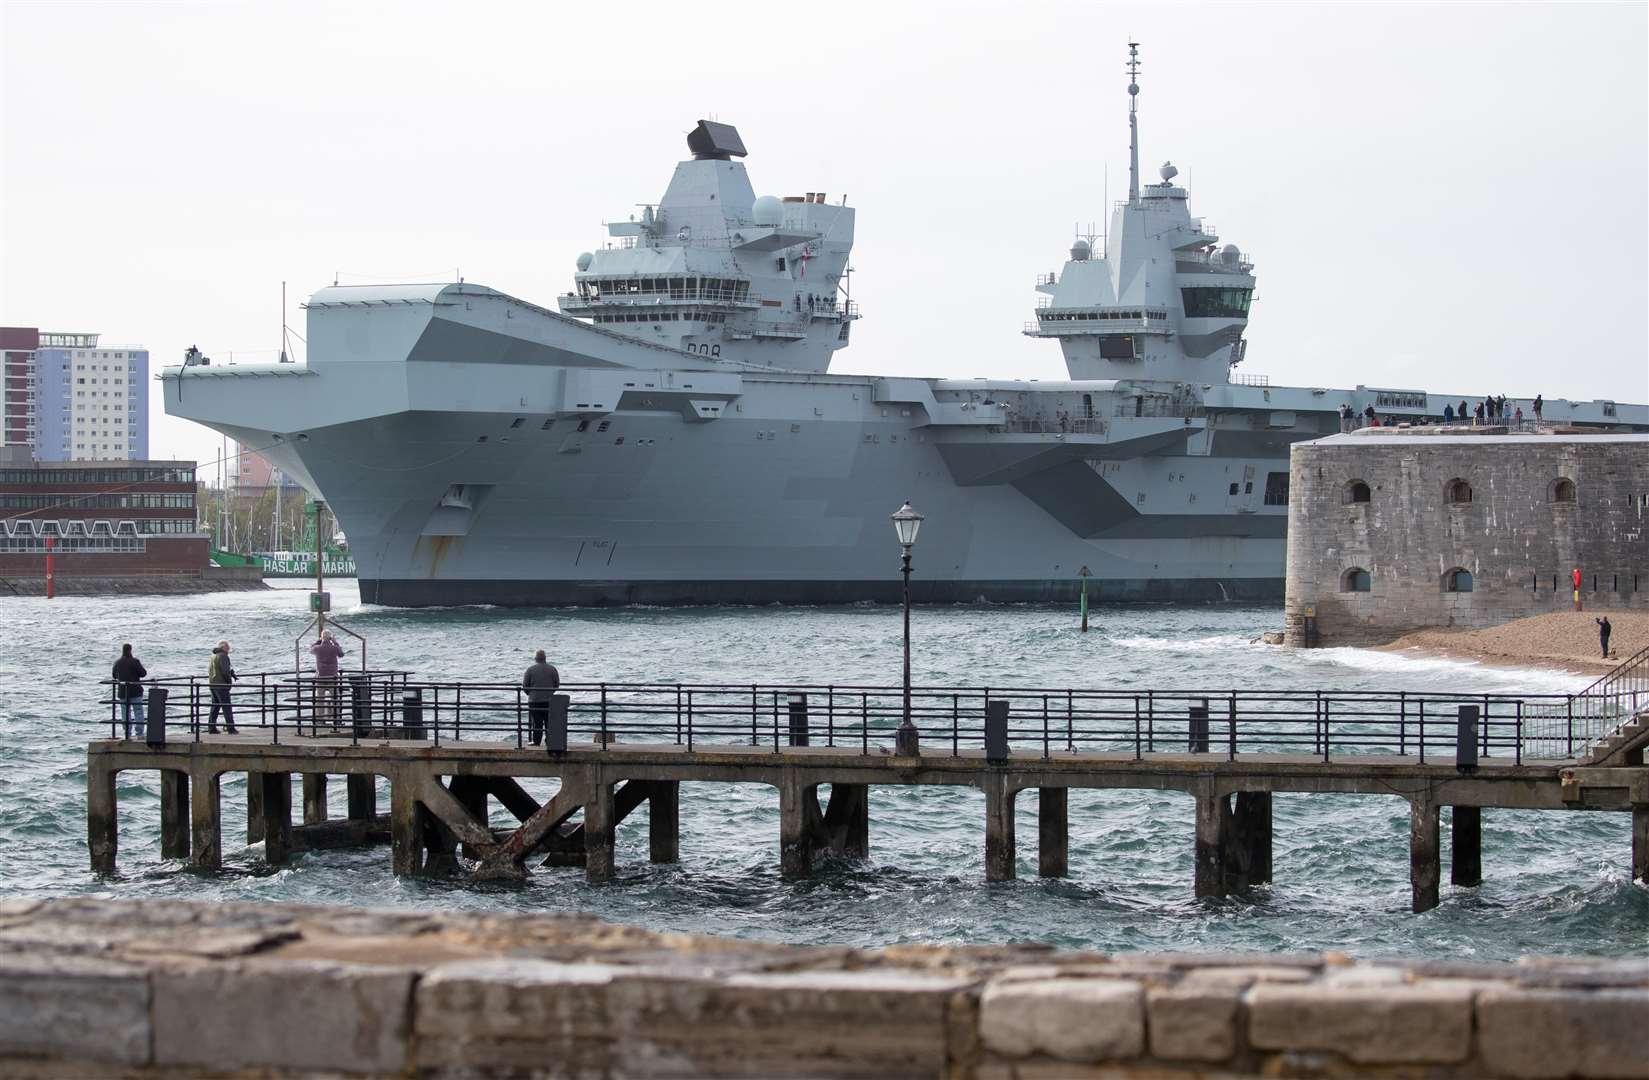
column 1444, row 197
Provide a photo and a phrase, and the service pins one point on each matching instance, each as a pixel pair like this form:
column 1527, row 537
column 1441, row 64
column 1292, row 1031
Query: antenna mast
column 1133, row 122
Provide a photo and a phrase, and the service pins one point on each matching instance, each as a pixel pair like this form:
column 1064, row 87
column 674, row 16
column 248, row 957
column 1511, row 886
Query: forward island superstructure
column 674, row 433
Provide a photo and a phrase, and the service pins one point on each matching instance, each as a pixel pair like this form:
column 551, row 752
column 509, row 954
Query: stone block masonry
column 1390, row 533
column 171, row 988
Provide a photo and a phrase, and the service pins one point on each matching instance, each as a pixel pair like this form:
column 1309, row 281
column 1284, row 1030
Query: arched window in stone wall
column 1458, row 579
column 1563, row 490
column 1457, row 492
column 1356, row 492
column 1356, row 579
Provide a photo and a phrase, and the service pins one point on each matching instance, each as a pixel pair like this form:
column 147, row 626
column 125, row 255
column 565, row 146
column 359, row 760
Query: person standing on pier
column 1603, row 632
column 541, row 681
column 327, row 652
column 220, row 677
column 128, row 675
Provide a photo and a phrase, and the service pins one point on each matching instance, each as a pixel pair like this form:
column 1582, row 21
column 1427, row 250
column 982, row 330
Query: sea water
column 1553, row 882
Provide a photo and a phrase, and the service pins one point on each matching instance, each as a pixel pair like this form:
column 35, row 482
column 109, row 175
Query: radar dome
column 768, row 211
column 1167, row 172
column 584, row 261
column 1230, row 255
column 1080, row 251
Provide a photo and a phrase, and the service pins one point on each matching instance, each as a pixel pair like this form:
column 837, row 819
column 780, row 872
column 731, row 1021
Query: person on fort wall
column 1347, row 422
column 541, row 682
column 128, row 674
column 1603, row 632
column 220, row 678
column 327, row 652
column 1539, row 403
column 1448, row 414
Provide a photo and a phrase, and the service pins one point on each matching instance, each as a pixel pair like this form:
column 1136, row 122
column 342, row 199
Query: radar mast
column 1133, row 122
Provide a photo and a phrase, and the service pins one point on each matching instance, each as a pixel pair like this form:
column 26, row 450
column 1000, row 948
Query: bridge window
column 1215, row 303
column 1276, row 489
column 1457, row 580
column 1458, row 492
column 1117, row 347
column 1563, row 490
column 1355, row 580
column 1356, row 492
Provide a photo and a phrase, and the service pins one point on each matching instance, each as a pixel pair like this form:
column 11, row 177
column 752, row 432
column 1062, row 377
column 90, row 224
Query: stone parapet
column 170, row 989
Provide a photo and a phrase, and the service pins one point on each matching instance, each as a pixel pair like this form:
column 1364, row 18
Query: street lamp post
column 906, row 523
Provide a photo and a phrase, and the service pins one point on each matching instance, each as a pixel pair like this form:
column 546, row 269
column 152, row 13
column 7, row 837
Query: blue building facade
column 86, row 401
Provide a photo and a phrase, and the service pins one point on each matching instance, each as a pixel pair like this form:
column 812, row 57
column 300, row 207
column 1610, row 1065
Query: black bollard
column 412, row 714
column 156, row 733
column 996, row 731
column 798, row 719
column 555, row 736
column 360, row 704
column 1199, row 728
column 1465, row 738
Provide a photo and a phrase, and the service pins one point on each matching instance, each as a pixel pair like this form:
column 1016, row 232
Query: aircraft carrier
column 674, row 433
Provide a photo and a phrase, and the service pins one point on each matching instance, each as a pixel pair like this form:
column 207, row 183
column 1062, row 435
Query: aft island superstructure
column 675, row 434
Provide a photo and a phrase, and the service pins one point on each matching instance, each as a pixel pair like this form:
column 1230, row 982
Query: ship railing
column 1178, row 408
column 1248, row 379
column 1042, row 425
column 279, row 706
column 1050, row 278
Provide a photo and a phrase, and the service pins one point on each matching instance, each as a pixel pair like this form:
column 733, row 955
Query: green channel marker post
column 1084, row 574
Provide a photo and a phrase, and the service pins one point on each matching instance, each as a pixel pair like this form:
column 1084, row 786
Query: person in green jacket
column 220, row 676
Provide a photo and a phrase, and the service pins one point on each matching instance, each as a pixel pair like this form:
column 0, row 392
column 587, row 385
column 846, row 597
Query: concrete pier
column 441, row 796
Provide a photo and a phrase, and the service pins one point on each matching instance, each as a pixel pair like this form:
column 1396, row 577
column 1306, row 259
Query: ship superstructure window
column 1457, row 580
column 1356, row 579
column 668, row 287
column 1214, row 303
column 1276, row 489
column 1117, row 347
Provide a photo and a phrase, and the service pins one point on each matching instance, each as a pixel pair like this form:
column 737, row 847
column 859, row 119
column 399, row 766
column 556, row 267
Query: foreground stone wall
column 166, row 988
column 1520, row 535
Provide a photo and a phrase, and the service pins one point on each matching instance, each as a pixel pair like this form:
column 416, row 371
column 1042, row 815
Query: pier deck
column 629, row 746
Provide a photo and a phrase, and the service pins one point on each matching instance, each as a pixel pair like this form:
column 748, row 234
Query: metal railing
column 1570, row 729
column 859, row 718
column 1041, row 425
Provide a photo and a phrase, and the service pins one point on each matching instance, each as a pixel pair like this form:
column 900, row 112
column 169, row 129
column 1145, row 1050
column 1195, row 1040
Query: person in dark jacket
column 128, row 675
column 220, row 677
column 540, row 682
column 1603, row 632
column 1448, row 414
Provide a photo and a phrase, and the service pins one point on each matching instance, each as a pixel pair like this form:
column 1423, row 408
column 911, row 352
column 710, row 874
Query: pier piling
column 363, row 796
column 664, row 821
column 1213, row 814
column 1466, row 854
column 1425, row 865
column 102, row 834
column 254, row 807
column 314, row 798
column 1248, row 841
column 598, row 829
column 174, row 814
column 277, row 816
column 1640, row 842
column 1053, row 834
column 205, row 818
column 1000, row 855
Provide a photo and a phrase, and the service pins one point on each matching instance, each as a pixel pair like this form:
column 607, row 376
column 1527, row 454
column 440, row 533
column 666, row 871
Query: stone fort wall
column 1381, row 527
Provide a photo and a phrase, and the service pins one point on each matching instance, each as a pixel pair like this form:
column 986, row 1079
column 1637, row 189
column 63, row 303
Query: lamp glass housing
column 906, row 523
